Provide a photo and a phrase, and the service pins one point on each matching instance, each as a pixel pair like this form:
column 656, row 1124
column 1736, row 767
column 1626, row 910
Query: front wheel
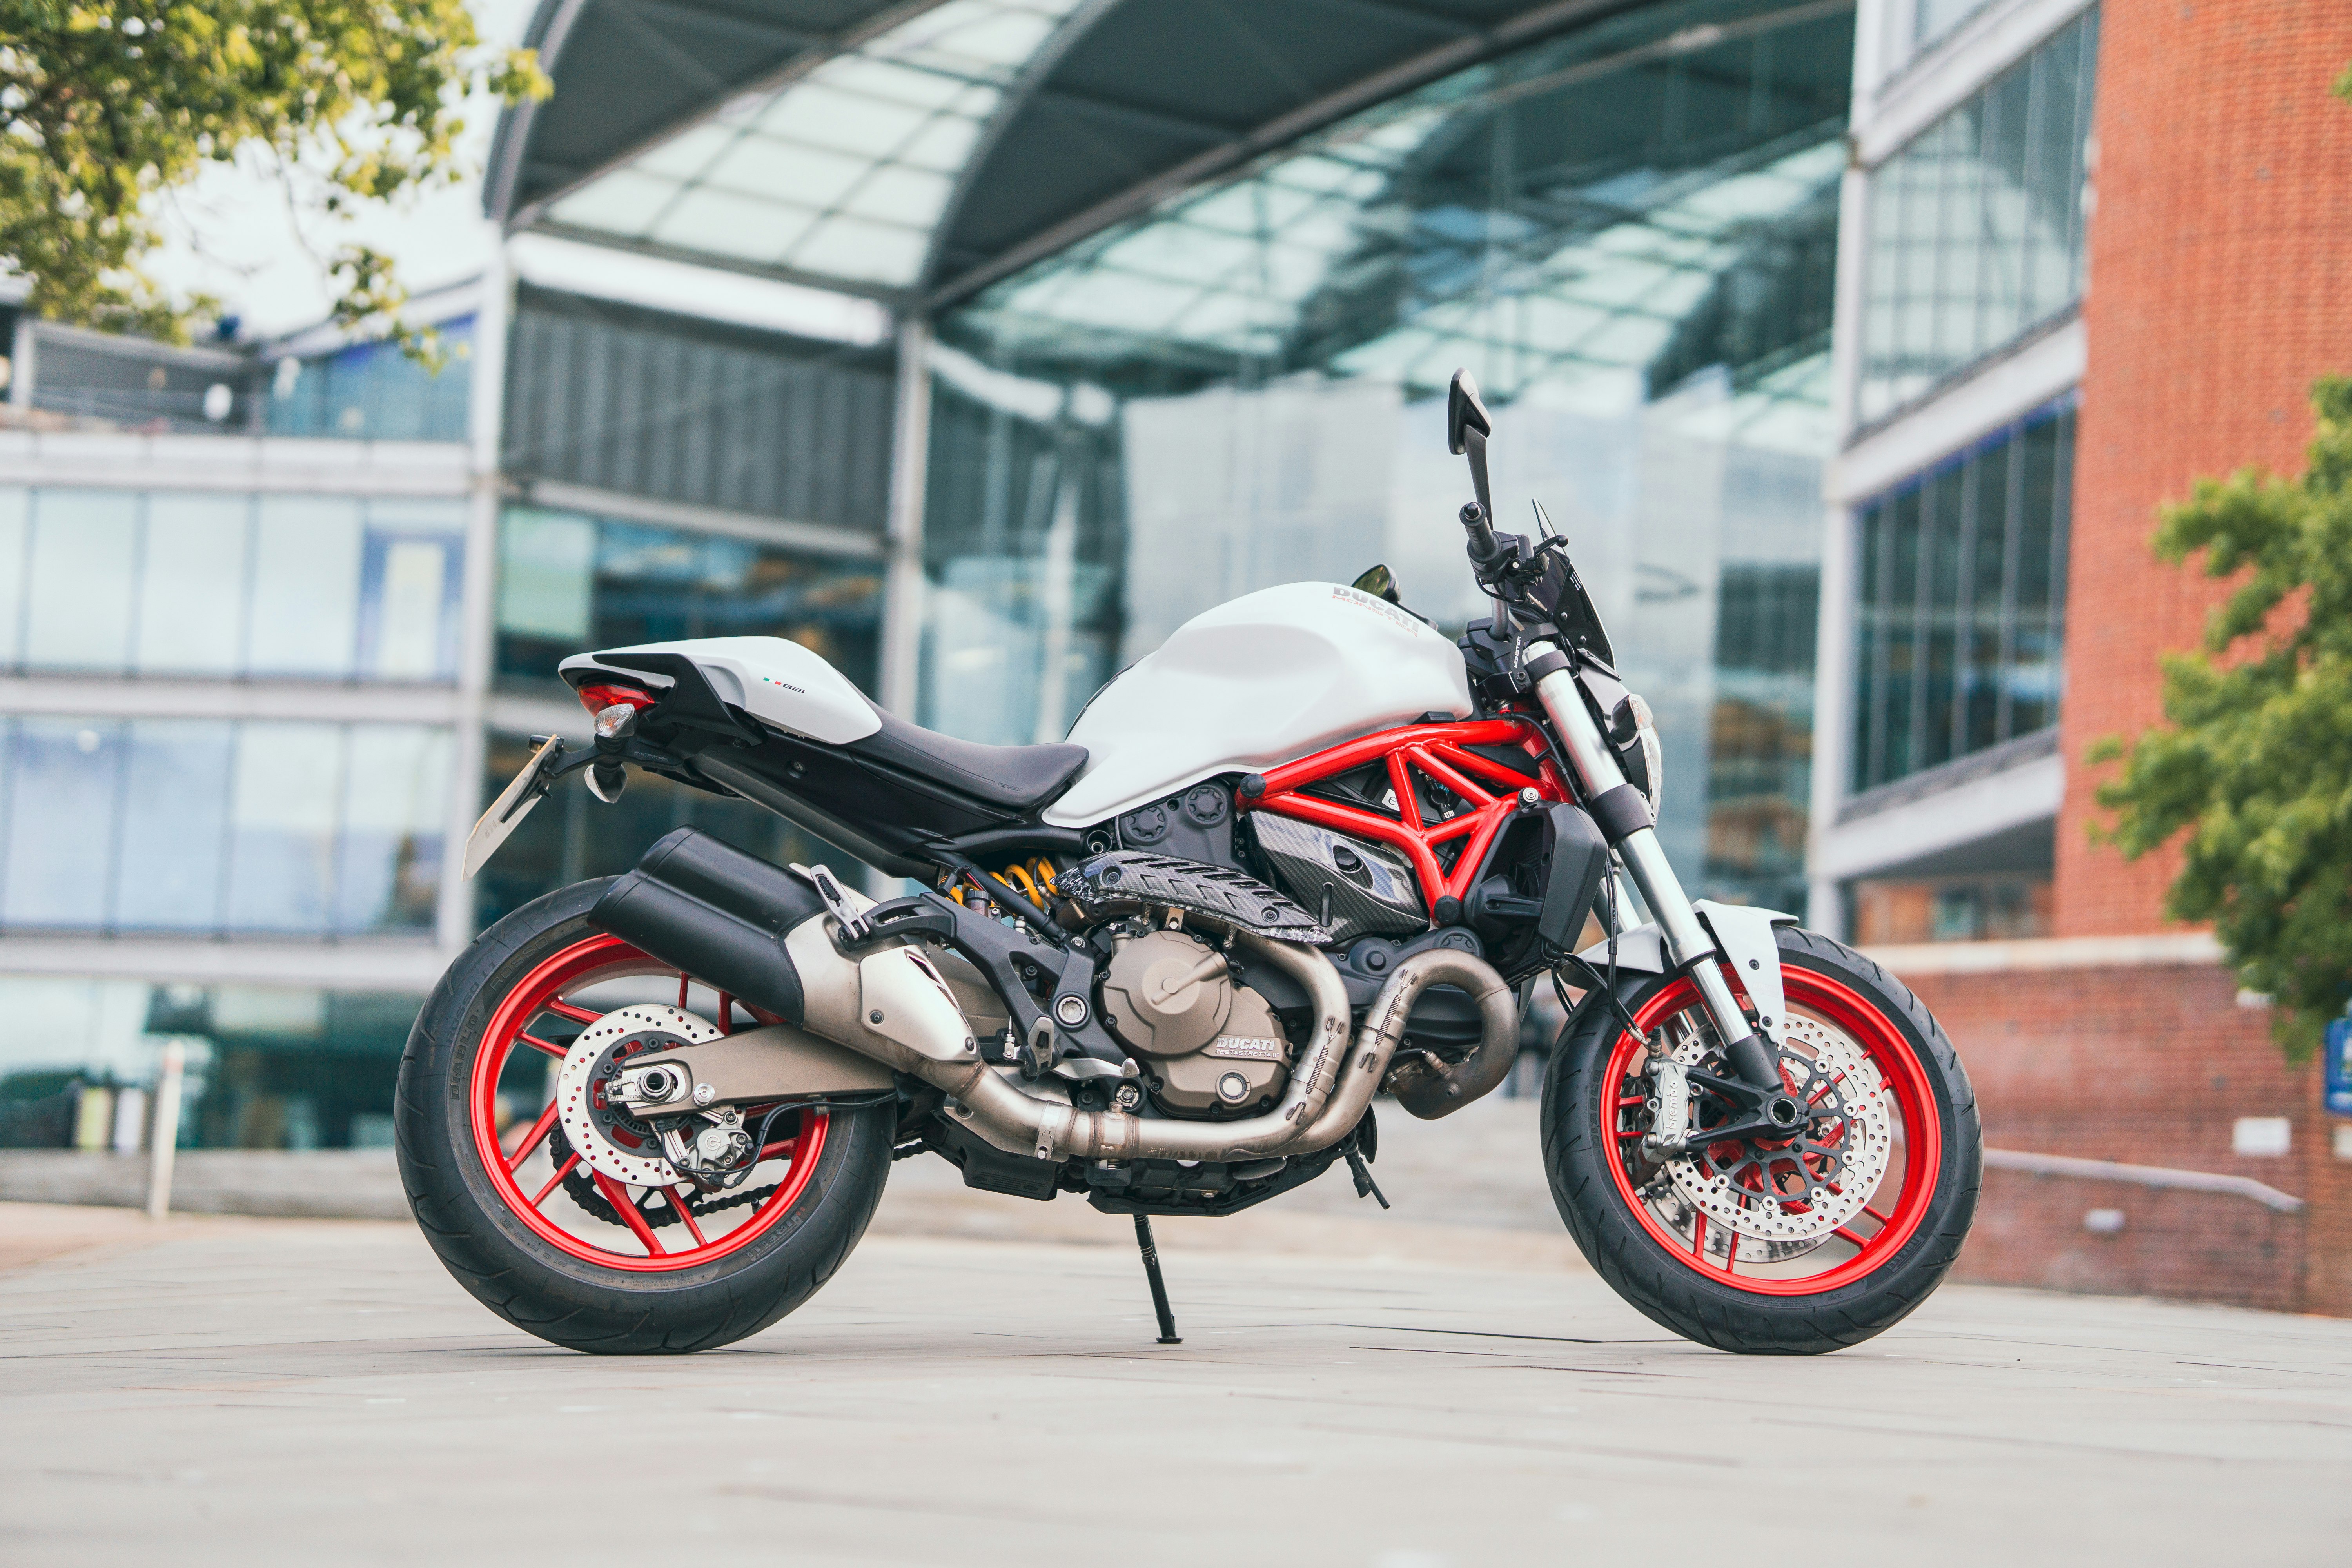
column 1787, row 1248
column 558, row 1211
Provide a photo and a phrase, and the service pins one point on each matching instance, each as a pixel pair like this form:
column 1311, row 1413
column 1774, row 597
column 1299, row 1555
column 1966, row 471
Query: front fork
column 1624, row 820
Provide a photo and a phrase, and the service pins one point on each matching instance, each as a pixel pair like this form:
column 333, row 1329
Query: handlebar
column 1483, row 546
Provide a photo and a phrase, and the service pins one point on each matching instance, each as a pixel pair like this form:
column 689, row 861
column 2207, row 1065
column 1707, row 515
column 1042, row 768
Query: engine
column 1211, row 1045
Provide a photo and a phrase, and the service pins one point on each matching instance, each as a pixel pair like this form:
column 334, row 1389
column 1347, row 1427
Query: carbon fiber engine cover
column 1358, row 888
column 1127, row 878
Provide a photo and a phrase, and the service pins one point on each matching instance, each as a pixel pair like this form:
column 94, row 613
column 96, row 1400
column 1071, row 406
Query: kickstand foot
column 1365, row 1186
column 1159, row 1284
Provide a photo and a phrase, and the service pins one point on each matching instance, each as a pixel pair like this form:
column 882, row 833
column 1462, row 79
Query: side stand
column 1159, row 1286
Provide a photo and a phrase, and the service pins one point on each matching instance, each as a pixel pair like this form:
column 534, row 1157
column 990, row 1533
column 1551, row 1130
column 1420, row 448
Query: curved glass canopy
column 929, row 147
column 843, row 173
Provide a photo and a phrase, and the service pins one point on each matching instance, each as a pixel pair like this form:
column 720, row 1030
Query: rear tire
column 1623, row 1218
column 556, row 1289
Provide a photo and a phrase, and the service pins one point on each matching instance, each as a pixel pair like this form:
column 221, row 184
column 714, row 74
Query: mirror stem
column 1474, row 444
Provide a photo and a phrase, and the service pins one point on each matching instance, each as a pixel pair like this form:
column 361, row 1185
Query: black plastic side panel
column 1579, row 857
column 716, row 913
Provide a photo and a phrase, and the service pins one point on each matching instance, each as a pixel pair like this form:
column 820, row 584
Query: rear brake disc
column 609, row 1139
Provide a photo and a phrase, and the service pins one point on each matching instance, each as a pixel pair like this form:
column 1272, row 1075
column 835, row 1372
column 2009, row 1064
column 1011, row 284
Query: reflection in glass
column 1962, row 602
column 1631, row 244
column 374, row 392
column 180, row 582
column 409, row 585
column 396, row 788
column 287, row 781
column 78, row 601
column 15, row 519
column 167, row 868
column 62, row 797
column 217, row 828
column 192, row 583
column 571, row 835
column 306, row 586
column 571, row 583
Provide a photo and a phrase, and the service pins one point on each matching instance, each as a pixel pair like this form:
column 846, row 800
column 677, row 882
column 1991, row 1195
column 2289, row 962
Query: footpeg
column 854, row 926
column 1669, row 1106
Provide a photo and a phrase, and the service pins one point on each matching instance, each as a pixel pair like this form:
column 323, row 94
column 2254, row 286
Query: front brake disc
column 1782, row 1200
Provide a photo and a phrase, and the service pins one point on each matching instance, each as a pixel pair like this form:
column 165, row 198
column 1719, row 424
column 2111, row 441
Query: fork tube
column 1596, row 767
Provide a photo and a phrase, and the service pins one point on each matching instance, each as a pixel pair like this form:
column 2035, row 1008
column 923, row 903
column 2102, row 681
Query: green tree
column 2254, row 771
column 106, row 106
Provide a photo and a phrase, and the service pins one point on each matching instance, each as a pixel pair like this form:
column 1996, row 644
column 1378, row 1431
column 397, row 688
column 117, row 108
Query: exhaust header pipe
column 741, row 923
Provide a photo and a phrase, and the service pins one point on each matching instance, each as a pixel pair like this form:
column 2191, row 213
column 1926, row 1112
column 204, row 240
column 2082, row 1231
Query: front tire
column 1758, row 1248
column 580, row 1259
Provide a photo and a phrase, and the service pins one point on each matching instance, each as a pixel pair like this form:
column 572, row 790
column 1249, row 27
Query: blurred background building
column 978, row 345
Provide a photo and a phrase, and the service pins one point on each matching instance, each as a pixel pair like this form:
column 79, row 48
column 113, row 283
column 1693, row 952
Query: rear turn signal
column 596, row 699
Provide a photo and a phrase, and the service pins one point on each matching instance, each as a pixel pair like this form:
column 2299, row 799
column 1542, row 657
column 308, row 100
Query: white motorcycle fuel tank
column 1261, row 680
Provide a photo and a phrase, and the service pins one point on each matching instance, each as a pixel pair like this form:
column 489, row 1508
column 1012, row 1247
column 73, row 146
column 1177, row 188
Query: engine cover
column 1212, row 1045
column 1354, row 887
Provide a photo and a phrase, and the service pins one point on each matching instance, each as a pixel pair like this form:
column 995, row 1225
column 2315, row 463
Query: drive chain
column 583, row 1190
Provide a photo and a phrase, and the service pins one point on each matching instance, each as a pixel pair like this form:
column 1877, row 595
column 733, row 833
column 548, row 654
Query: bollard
column 166, row 1138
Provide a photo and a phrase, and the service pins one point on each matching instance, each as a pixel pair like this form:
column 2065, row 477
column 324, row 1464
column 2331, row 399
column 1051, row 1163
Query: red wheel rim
column 543, row 991
column 1906, row 1081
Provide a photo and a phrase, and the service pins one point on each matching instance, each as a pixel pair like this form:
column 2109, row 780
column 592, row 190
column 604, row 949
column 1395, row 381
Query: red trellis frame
column 1438, row 751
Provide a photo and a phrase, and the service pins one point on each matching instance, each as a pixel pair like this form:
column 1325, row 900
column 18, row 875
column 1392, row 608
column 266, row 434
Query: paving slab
column 255, row 1390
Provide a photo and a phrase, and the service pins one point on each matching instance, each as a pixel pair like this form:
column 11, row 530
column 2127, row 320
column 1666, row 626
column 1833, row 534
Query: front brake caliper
column 1669, row 1106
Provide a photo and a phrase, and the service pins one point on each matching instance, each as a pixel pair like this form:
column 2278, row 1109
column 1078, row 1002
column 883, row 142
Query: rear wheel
column 1788, row 1247
column 558, row 1212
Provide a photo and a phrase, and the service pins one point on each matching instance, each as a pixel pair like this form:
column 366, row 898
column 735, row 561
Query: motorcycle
column 1307, row 853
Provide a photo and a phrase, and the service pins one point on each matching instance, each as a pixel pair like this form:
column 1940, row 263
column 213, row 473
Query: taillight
column 596, row 699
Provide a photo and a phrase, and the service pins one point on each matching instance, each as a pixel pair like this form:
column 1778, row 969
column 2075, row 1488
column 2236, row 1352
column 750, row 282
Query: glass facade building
column 1627, row 234
column 223, row 585
column 1977, row 225
column 1963, row 602
column 1940, row 689
column 212, row 828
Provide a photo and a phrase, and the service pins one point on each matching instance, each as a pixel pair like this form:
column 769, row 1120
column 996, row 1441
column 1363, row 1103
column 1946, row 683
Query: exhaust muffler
column 741, row 923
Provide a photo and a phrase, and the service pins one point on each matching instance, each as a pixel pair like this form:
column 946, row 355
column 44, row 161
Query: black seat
column 1020, row 778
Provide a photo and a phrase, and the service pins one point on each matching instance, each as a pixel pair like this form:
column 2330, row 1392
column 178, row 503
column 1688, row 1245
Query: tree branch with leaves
column 106, row 107
column 2253, row 771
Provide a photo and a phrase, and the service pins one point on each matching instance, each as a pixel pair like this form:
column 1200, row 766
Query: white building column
column 903, row 582
column 478, row 602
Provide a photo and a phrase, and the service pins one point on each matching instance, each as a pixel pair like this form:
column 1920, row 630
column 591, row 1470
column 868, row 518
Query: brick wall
column 2220, row 287
column 2145, row 1065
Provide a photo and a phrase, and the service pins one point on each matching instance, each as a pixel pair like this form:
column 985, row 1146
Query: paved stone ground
column 1352, row 1390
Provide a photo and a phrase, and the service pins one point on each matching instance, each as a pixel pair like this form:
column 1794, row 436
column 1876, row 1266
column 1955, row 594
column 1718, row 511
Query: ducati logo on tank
column 1380, row 607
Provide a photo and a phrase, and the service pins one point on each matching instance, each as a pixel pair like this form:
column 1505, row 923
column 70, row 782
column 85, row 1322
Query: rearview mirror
column 1467, row 426
column 1465, row 413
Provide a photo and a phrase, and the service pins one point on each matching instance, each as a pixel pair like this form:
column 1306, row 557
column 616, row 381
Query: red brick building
column 2210, row 240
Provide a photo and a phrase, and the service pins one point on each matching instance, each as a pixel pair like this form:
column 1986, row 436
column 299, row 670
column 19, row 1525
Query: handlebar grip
column 1483, row 547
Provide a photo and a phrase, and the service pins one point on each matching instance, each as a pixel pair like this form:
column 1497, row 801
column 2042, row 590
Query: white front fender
column 1743, row 938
